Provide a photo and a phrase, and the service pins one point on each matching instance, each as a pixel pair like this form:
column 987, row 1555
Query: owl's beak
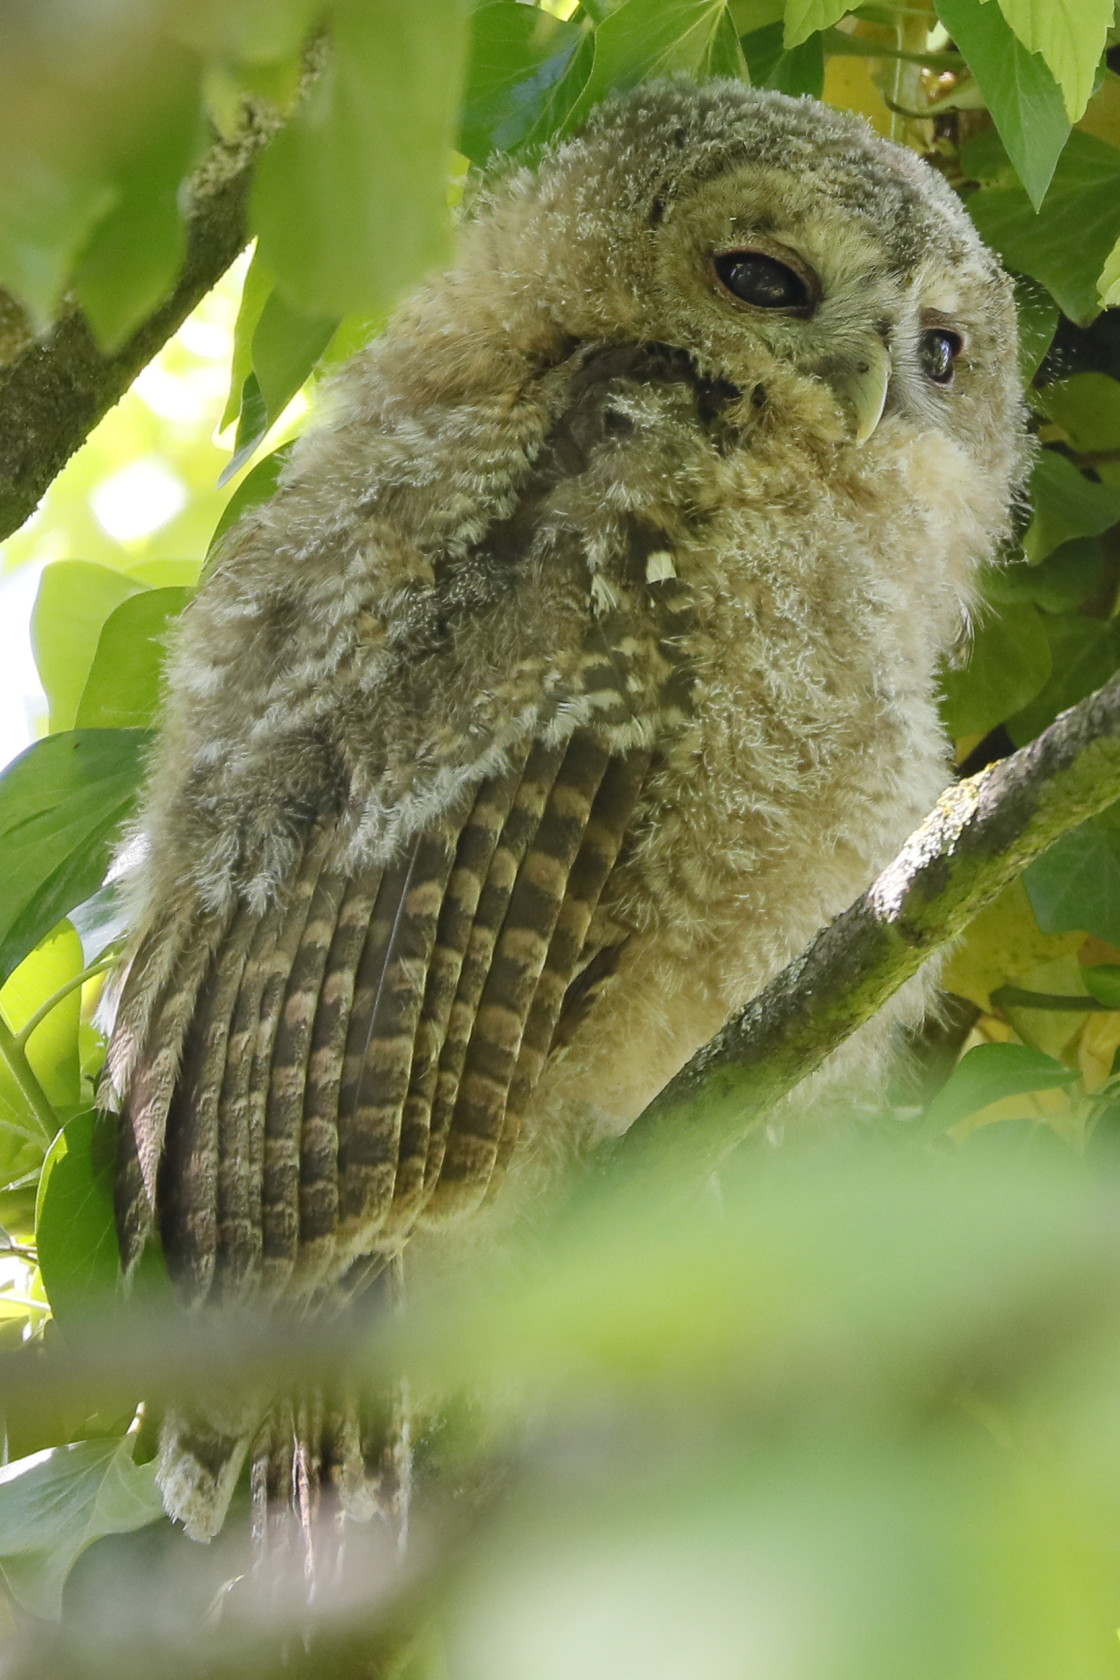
column 864, row 387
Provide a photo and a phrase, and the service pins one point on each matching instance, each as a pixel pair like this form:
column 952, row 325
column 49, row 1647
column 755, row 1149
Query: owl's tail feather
column 319, row 1463
column 319, row 1466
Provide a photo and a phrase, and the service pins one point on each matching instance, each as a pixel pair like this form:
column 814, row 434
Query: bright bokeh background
column 141, row 496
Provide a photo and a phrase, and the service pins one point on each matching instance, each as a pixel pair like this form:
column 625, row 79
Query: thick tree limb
column 981, row 834
column 54, row 389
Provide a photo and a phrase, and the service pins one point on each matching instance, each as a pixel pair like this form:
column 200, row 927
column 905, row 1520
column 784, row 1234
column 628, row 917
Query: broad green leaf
column 55, row 1503
column 286, row 346
column 75, row 598
column 52, row 1048
column 989, row 1072
column 794, row 70
column 62, row 803
column 642, row 39
column 255, row 487
column 1024, row 100
column 1087, row 408
column 347, row 215
column 517, row 75
column 1075, row 885
column 1108, row 285
column 1066, row 243
column 1084, row 653
column 100, row 921
column 130, row 261
column 255, row 292
column 748, row 15
column 252, row 426
column 1061, row 582
column 75, row 1230
column 1103, row 983
column 1008, row 664
column 1070, row 35
column 1066, row 504
column 803, row 17
column 1038, row 322
column 123, row 687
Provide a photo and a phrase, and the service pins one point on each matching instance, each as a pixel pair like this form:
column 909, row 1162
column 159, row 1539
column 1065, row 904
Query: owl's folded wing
column 310, row 1081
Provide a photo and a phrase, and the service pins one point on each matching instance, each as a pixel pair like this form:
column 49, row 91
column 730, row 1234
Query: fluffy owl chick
column 580, row 668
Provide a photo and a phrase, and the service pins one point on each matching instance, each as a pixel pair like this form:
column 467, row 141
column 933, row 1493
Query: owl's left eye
column 757, row 278
column 939, row 350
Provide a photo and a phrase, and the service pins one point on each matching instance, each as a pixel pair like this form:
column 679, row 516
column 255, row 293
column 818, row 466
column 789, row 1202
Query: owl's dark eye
column 939, row 350
column 755, row 277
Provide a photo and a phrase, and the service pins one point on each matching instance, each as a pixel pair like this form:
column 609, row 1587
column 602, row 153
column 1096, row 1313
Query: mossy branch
column 982, row 833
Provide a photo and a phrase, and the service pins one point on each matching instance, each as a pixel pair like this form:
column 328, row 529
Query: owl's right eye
column 757, row 278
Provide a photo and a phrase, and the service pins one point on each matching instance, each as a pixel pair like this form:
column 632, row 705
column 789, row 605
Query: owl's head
column 775, row 239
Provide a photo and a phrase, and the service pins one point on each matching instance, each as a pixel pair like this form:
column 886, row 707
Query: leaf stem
column 14, row 1053
column 102, row 964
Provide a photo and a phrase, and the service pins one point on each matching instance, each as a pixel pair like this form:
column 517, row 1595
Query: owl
column 581, row 667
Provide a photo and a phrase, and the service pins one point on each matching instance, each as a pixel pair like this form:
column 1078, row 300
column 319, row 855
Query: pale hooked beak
column 864, row 387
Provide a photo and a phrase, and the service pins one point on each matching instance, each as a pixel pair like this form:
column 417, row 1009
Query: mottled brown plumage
column 581, row 666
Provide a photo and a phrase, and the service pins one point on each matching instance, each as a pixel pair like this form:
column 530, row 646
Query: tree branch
column 54, row 389
column 981, row 834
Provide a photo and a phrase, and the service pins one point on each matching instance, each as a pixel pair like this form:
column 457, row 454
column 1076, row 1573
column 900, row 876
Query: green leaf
column 748, row 15
column 1103, row 983
column 1087, row 408
column 55, row 1503
column 251, row 32
column 989, row 1072
column 518, row 87
column 130, row 261
column 1008, row 664
column 47, row 213
column 803, row 17
column 1070, row 35
column 75, row 1229
column 647, row 38
column 1066, row 243
column 1108, row 283
column 347, row 215
column 1038, row 322
column 1066, row 504
column 62, row 803
column 52, row 1048
column 73, row 602
column 123, row 687
column 254, row 295
column 255, row 487
column 1084, row 653
column 1075, row 885
column 286, row 346
column 1019, row 91
column 798, row 70
column 252, row 427
column 1058, row 584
